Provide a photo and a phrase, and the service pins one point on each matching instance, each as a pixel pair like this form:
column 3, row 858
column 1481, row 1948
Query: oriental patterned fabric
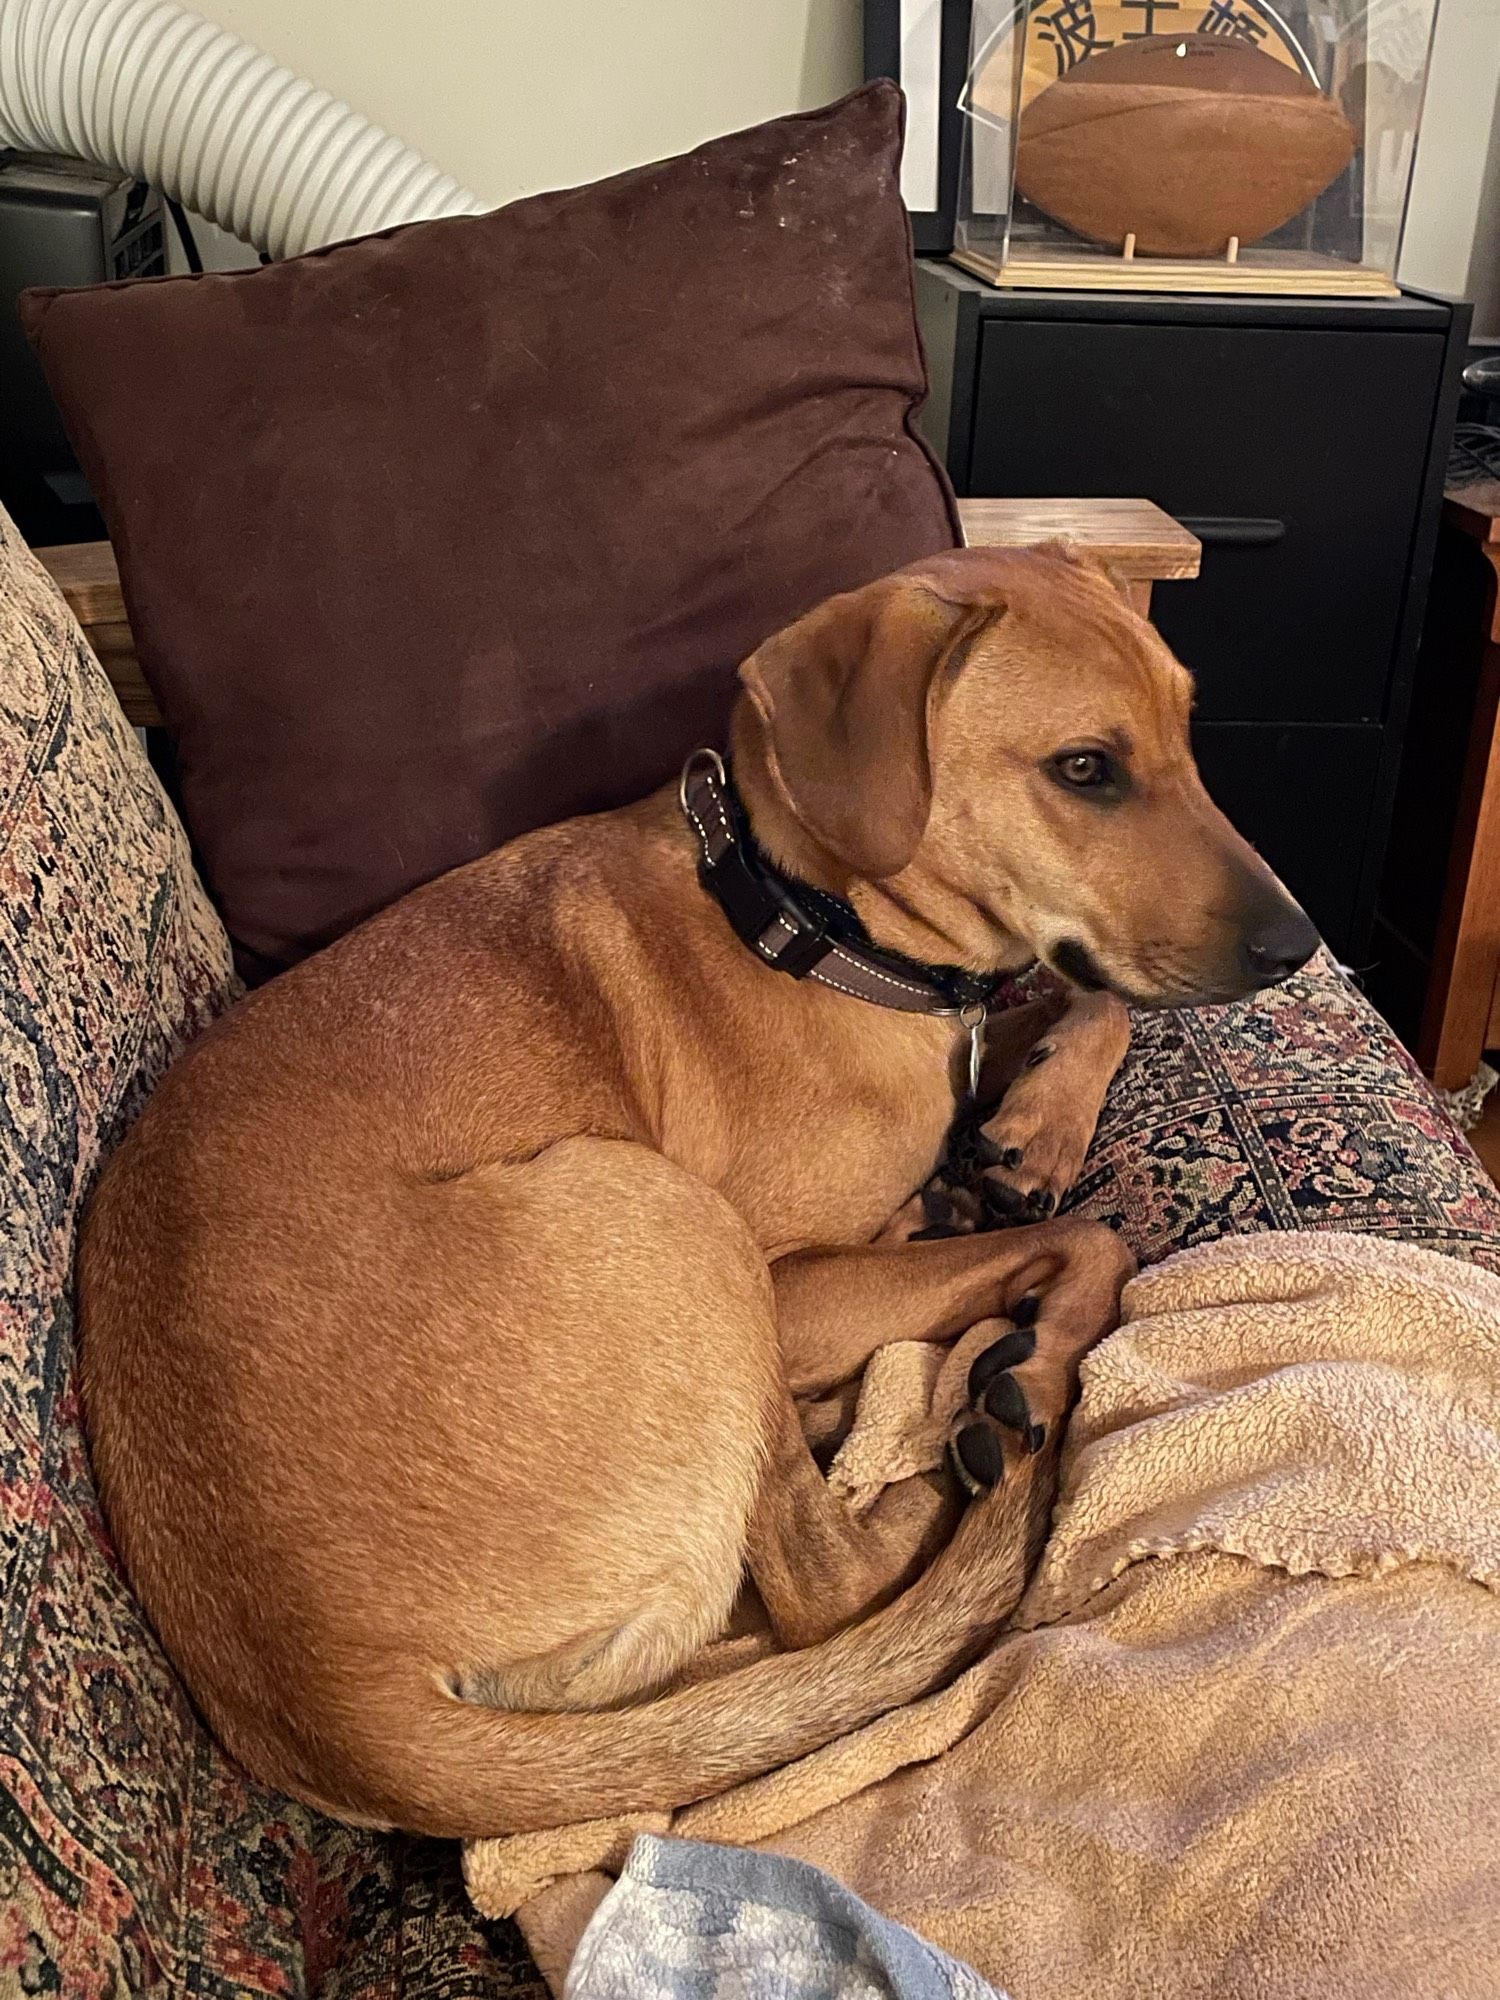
column 1296, row 1110
column 134, row 1859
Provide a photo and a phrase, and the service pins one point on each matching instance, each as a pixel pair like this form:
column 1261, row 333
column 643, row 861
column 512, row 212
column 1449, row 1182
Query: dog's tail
column 459, row 1769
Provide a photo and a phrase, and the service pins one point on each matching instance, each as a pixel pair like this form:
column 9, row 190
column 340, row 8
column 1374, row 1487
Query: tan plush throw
column 1247, row 1741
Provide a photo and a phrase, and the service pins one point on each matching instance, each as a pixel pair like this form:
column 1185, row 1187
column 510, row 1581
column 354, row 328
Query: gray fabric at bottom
column 691, row 1921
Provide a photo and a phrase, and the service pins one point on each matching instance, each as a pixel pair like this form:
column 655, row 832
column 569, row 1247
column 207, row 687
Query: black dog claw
column 1035, row 1438
column 1008, row 1351
column 981, row 1462
column 1012, row 1157
column 1023, row 1313
column 970, row 1151
column 1006, row 1402
column 937, row 1204
column 1004, row 1201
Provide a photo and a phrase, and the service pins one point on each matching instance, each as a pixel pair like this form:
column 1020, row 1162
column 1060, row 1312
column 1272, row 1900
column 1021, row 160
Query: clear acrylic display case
column 1191, row 145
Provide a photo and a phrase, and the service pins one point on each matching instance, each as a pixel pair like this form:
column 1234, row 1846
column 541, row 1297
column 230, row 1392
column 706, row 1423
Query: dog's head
column 997, row 740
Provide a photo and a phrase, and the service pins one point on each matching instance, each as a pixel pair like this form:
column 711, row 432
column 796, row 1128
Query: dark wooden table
column 1461, row 1018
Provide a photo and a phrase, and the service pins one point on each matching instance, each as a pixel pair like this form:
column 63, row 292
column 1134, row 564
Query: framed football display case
column 1246, row 146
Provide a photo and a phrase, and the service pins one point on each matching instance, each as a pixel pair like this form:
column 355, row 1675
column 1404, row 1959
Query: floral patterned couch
column 134, row 1858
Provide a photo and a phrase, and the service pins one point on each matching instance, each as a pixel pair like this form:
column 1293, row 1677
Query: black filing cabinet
column 1303, row 440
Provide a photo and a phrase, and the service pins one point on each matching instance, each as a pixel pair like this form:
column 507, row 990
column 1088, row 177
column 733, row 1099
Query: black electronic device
column 61, row 223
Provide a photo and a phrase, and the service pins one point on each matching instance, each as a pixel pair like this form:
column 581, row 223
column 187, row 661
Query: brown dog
column 443, row 1314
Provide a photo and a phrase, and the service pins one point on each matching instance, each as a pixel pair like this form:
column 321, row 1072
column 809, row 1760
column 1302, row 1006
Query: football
column 1182, row 141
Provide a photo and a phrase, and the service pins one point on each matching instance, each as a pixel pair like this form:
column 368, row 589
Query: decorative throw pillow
column 437, row 536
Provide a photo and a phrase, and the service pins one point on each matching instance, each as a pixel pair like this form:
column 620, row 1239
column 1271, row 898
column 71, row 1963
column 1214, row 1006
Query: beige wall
column 1453, row 224
column 517, row 95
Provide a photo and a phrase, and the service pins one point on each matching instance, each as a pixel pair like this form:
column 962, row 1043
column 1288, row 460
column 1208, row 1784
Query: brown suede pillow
column 440, row 535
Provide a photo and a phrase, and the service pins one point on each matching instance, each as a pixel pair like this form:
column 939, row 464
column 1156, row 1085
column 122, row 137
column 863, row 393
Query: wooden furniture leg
column 1461, row 1017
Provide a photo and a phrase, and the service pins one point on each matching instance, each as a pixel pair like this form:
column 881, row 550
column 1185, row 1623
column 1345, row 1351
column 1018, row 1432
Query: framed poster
column 924, row 46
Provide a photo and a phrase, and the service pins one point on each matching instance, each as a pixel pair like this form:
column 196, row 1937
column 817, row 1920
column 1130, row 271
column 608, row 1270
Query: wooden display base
column 1257, row 272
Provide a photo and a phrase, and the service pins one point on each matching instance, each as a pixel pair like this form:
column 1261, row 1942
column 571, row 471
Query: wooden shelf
column 1135, row 537
column 1138, row 541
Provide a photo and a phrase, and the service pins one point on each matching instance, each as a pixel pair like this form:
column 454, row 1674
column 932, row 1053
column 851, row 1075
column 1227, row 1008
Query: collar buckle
column 792, row 942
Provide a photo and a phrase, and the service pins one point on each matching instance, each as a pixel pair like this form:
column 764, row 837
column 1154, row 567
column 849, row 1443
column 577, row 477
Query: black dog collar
column 809, row 933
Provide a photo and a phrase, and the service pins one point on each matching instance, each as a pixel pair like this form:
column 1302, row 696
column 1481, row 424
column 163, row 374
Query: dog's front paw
column 946, row 1207
column 1037, row 1143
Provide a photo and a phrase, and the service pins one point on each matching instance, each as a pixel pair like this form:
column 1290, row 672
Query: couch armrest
column 86, row 574
column 1140, row 543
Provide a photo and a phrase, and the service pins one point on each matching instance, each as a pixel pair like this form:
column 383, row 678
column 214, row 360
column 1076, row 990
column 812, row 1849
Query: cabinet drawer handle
column 1233, row 531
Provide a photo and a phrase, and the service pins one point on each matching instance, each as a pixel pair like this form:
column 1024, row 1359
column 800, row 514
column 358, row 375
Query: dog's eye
column 1082, row 768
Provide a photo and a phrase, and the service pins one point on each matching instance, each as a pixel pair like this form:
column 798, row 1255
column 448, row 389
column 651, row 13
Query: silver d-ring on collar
column 709, row 760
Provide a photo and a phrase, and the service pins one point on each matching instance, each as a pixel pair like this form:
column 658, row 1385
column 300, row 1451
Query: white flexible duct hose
column 152, row 90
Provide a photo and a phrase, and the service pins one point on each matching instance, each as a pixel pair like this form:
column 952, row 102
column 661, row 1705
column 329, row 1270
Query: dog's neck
column 916, row 913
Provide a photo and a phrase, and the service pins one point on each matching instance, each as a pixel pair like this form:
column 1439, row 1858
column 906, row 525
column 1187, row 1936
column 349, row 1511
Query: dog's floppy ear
column 844, row 697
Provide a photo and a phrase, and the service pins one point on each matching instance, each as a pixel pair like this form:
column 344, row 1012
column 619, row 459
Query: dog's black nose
column 1281, row 947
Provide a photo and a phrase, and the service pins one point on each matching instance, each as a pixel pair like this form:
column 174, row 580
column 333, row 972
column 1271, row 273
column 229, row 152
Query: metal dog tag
column 973, row 1017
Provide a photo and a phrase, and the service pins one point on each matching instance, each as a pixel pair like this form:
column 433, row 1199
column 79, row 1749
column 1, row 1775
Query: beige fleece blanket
column 1246, row 1738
